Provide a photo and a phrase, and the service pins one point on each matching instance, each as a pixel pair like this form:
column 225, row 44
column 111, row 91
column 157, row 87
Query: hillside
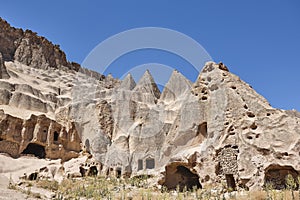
column 216, row 130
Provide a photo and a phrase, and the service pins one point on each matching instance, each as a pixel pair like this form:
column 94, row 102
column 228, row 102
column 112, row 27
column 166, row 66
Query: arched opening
column 276, row 176
column 33, row 176
column 150, row 163
column 35, row 149
column 181, row 177
column 55, row 136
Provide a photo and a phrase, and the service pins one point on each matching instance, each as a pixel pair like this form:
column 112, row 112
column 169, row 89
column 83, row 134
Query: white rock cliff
column 192, row 134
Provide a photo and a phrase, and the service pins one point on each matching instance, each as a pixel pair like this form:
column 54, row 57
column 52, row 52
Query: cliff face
column 30, row 49
column 216, row 129
column 3, row 71
column 39, row 136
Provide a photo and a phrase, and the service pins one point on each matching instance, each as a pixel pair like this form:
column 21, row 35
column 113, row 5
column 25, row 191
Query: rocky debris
column 90, row 168
column 74, row 168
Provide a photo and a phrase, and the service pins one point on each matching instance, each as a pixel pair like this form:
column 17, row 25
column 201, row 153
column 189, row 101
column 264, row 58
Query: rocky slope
column 217, row 129
column 29, row 48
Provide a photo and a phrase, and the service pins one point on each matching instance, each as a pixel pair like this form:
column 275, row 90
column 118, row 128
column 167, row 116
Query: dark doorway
column 140, row 164
column 93, row 171
column 230, row 182
column 276, row 176
column 35, row 149
column 182, row 177
column 150, row 163
column 33, row 176
column 55, row 136
column 118, row 172
column 82, row 171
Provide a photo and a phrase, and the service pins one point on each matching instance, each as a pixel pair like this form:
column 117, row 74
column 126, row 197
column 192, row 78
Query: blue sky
column 258, row 40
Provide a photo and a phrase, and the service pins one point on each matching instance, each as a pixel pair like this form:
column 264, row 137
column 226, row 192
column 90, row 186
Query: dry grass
column 138, row 188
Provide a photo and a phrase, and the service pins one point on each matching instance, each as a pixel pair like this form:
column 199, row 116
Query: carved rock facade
column 215, row 130
column 38, row 135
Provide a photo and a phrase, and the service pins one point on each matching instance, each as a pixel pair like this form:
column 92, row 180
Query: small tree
column 290, row 184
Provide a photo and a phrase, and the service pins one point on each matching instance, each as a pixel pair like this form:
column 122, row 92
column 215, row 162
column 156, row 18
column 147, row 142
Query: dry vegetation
column 138, row 188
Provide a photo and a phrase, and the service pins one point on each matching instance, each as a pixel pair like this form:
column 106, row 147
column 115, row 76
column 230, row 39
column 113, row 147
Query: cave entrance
column 93, row 171
column 181, row 177
column 33, row 176
column 276, row 175
column 35, row 149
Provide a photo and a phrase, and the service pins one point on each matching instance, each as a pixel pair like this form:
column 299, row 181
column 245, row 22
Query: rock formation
column 38, row 135
column 215, row 130
column 3, row 71
column 30, row 49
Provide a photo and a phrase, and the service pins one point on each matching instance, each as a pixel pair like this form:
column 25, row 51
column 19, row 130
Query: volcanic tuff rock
column 30, row 49
column 192, row 134
column 3, row 71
